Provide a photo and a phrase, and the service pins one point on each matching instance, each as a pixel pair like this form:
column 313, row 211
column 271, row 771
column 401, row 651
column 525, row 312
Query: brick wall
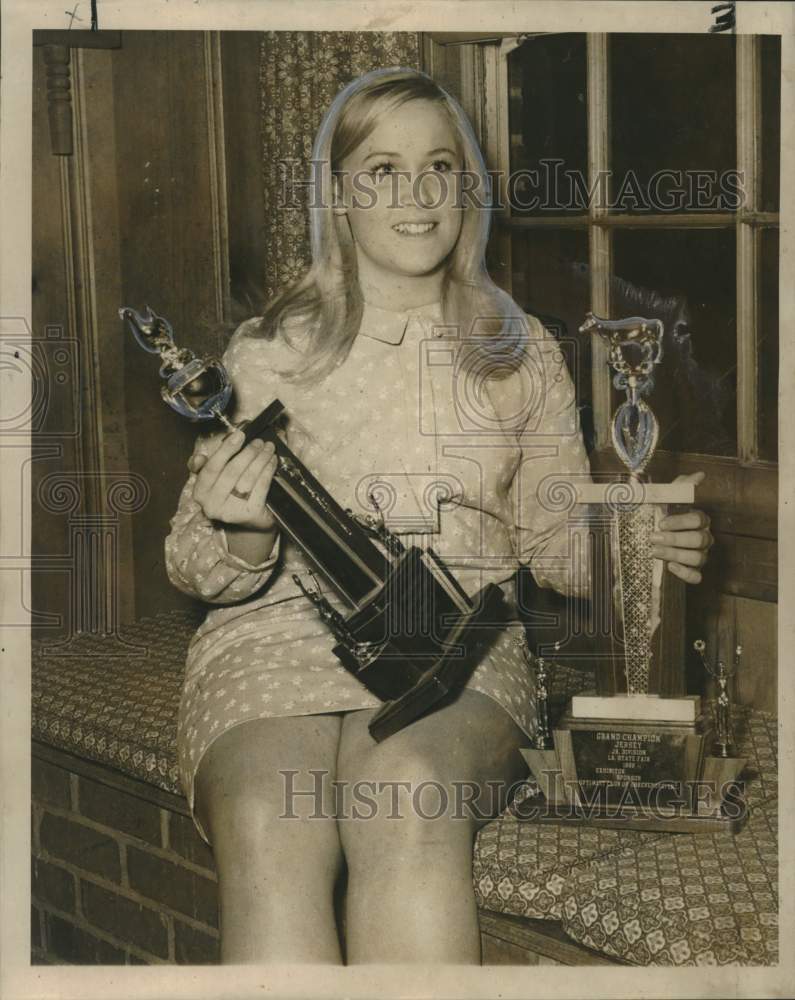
column 116, row 879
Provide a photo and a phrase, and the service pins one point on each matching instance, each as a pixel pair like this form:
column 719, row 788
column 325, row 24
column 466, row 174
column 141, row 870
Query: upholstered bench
column 119, row 710
column 120, row 875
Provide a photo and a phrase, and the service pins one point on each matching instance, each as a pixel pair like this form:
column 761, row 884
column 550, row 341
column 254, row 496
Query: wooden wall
column 166, row 166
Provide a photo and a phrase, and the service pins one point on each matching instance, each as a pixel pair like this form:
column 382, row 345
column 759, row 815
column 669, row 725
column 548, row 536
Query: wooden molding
column 78, row 39
column 59, row 98
column 644, row 220
column 496, row 144
column 749, row 118
column 600, row 240
column 57, row 48
column 449, row 38
column 84, row 288
column 216, row 147
column 542, row 937
column 104, row 774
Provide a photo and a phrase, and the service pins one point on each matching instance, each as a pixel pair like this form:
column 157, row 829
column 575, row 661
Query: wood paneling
column 50, row 308
column 744, row 567
column 137, row 215
column 723, row 621
column 740, row 499
column 243, row 144
column 444, row 64
column 167, row 237
column 756, row 626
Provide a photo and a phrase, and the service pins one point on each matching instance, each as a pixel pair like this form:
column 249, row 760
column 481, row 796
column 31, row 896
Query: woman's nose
column 423, row 189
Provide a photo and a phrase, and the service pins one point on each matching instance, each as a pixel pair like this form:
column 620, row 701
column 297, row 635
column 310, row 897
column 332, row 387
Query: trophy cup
column 412, row 631
column 639, row 750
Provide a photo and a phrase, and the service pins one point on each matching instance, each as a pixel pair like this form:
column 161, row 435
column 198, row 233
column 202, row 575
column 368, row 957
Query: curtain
column 300, row 74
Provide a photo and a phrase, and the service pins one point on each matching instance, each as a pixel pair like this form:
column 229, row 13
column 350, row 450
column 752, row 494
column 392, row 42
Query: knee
column 238, row 822
column 400, row 804
column 254, row 838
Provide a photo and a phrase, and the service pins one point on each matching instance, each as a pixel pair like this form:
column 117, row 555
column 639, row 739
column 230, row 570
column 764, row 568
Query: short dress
column 457, row 462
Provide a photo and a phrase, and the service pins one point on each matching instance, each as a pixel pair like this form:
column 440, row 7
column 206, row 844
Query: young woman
column 408, row 375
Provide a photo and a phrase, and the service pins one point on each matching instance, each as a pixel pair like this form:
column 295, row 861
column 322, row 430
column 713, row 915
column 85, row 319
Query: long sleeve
column 553, row 460
column 197, row 558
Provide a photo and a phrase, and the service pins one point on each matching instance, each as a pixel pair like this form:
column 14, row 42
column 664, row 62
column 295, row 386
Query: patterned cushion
column 756, row 734
column 112, row 704
column 523, row 868
column 649, row 898
column 685, row 899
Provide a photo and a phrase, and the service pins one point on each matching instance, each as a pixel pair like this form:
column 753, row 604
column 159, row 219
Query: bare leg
column 410, row 895
column 275, row 874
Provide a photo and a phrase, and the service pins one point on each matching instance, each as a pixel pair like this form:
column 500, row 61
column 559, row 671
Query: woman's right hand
column 248, row 472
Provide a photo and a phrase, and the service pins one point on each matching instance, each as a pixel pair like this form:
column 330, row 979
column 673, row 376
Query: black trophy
column 412, row 634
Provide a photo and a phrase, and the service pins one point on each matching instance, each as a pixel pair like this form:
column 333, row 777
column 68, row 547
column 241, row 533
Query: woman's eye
column 442, row 166
column 381, row 169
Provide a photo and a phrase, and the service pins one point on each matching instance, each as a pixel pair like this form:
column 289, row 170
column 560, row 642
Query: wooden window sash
column 749, row 119
column 600, row 238
column 497, row 150
column 636, row 220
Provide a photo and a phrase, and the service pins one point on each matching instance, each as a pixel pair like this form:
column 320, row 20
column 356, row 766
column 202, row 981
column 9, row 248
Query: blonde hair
column 326, row 304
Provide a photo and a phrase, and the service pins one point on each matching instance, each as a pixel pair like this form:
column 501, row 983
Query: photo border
column 19, row 978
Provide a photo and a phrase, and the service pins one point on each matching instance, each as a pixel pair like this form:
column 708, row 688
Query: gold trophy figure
column 724, row 729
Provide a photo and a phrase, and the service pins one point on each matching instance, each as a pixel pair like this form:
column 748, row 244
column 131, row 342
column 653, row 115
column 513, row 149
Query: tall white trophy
column 638, row 751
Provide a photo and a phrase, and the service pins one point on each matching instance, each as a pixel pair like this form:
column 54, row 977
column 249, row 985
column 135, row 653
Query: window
column 641, row 177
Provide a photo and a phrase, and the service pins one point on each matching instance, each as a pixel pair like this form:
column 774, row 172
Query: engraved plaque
column 608, row 759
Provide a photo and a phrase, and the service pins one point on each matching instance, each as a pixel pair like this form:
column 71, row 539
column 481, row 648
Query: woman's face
column 399, row 193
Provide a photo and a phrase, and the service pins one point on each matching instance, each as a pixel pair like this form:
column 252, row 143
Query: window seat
column 120, row 874
column 117, row 710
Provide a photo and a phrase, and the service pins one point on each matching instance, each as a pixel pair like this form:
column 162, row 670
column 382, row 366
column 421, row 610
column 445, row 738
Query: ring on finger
column 239, row 495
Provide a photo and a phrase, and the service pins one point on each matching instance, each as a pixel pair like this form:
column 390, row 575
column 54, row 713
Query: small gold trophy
column 639, row 751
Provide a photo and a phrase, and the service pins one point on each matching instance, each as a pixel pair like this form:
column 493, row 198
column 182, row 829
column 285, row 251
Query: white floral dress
column 456, row 464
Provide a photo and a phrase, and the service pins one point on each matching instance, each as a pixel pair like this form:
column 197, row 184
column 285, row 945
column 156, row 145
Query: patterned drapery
column 300, row 74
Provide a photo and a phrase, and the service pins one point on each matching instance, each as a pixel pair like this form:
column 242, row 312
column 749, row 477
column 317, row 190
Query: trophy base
column 631, row 774
column 445, row 676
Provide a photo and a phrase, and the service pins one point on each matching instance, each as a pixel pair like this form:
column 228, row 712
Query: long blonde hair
column 326, row 304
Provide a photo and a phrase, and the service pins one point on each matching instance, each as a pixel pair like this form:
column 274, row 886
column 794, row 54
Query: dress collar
column 390, row 326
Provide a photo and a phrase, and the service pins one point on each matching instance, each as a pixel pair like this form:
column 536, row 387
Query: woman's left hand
column 683, row 540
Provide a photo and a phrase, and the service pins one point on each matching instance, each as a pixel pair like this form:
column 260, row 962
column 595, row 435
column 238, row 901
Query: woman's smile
column 414, row 228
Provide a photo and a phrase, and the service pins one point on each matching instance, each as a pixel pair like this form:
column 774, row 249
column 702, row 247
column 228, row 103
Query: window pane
column 551, row 282
column 767, row 386
column 548, row 121
column 771, row 123
column 687, row 279
column 673, row 109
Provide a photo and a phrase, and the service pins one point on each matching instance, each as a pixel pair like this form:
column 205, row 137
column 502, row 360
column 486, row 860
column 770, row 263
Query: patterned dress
column 465, row 465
